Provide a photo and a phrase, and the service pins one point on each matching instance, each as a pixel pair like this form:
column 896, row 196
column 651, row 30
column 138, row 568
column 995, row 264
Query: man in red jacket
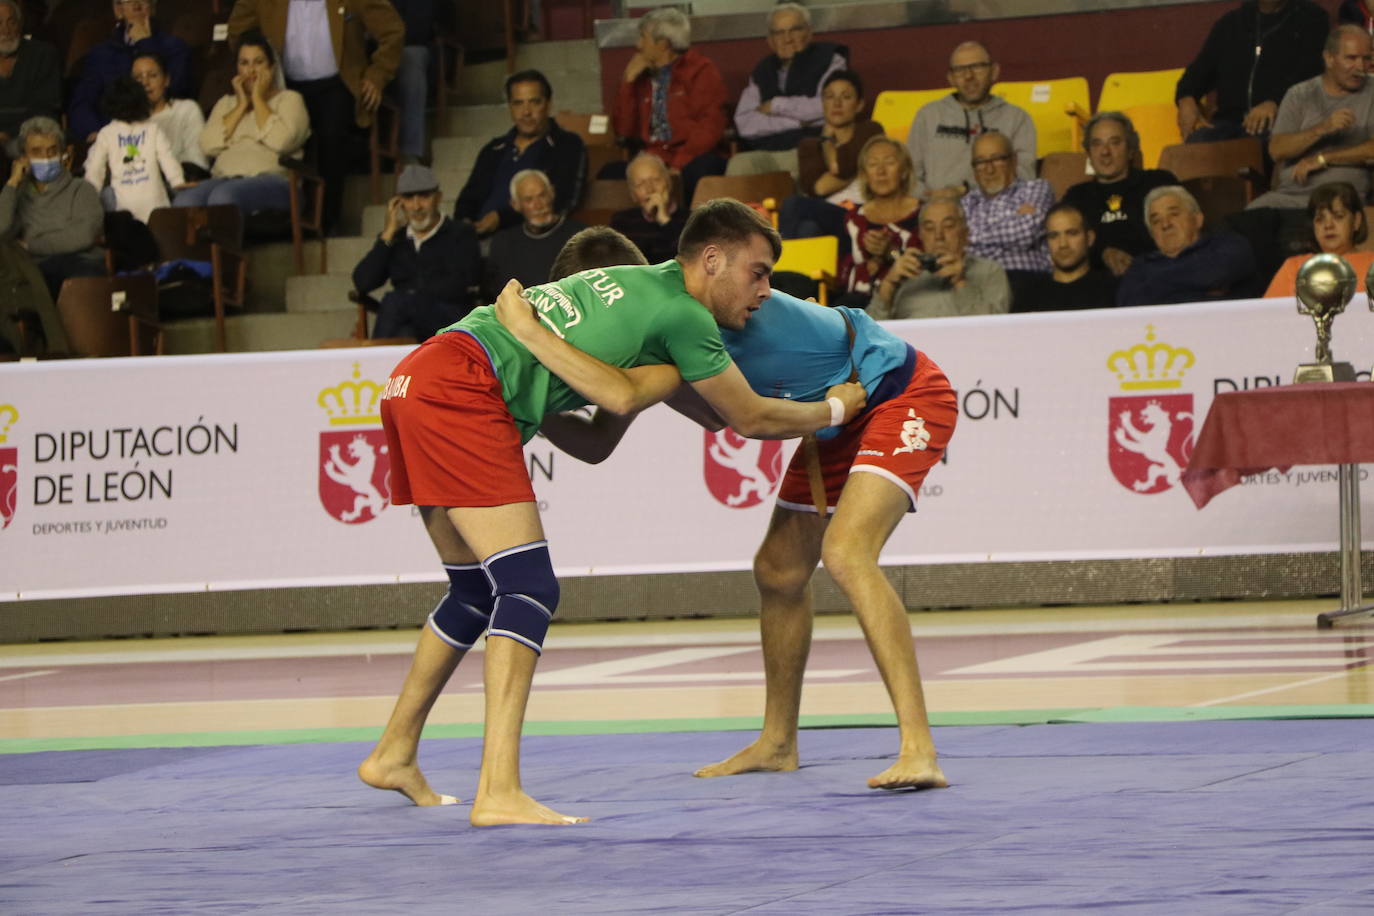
column 672, row 100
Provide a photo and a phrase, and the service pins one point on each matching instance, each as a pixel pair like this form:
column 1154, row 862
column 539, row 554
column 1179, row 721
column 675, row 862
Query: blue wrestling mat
column 1245, row 817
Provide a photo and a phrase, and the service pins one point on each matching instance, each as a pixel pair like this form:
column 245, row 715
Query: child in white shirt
column 133, row 151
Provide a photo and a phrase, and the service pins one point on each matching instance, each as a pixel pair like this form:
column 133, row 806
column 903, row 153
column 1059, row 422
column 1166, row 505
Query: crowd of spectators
column 953, row 221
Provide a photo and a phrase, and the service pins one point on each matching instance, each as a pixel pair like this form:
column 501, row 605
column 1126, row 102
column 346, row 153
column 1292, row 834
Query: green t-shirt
column 625, row 316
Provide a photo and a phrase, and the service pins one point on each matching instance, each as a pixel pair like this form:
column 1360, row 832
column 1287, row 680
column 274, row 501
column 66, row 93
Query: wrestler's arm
column 586, row 438
column 617, row 390
column 757, row 417
column 693, row 406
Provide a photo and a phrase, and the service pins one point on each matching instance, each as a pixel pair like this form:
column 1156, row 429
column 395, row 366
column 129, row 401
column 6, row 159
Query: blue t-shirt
column 797, row 350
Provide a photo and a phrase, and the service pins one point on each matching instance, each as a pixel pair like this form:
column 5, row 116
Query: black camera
column 929, row 261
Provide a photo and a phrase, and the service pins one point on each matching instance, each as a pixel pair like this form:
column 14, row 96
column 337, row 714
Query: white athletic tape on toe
column 447, row 800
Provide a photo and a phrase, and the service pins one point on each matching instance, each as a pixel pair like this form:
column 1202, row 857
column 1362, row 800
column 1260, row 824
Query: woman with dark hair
column 132, row 151
column 180, row 120
column 248, row 131
column 829, row 164
column 1338, row 225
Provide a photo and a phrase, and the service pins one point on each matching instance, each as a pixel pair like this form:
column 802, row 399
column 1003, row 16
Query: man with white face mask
column 58, row 218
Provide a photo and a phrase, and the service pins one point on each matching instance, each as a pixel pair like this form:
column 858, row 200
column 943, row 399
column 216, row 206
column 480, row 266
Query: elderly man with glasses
column 1006, row 214
column 782, row 103
column 944, row 131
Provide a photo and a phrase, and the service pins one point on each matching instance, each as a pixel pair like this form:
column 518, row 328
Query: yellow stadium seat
column 817, row 258
column 1050, row 103
column 896, row 109
column 1127, row 90
column 1157, row 126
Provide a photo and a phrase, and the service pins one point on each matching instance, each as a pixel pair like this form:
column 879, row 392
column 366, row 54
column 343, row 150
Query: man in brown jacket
column 323, row 49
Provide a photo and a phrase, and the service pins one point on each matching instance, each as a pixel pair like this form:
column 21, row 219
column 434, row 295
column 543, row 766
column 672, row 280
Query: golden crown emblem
column 9, row 415
column 352, row 402
column 1150, row 364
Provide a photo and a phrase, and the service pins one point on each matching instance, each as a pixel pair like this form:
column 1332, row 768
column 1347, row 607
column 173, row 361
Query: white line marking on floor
column 1255, row 693
column 16, row 677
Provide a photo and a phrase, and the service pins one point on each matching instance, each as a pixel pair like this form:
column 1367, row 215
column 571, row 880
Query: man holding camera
column 943, row 279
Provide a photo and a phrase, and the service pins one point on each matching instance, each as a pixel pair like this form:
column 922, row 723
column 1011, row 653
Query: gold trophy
column 1326, row 284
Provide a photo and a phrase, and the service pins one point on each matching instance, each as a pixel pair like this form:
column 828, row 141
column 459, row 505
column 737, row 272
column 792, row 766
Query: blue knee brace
column 526, row 593
column 465, row 610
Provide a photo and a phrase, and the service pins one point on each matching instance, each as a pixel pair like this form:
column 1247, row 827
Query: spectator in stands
column 526, row 252
column 133, row 152
column 1357, row 12
column 1325, row 127
column 656, row 223
column 782, row 103
column 325, row 59
column 1337, row 219
column 1251, row 57
column 1113, row 200
column 944, row 130
column 672, row 100
column 1074, row 283
column 134, row 33
column 944, row 280
column 534, row 142
column 30, row 75
column 247, row 133
column 1188, row 266
column 885, row 226
column 829, row 163
column 180, row 120
column 1006, row 214
column 56, row 216
column 412, row 76
column 432, row 262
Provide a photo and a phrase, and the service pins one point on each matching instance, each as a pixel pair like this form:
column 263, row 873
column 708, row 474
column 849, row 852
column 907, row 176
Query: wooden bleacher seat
column 1239, row 158
column 213, row 235
column 747, row 188
column 110, row 316
column 602, row 198
column 1064, row 170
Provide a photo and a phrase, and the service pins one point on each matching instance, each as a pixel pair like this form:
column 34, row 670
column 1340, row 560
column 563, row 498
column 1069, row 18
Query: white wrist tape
column 836, row 411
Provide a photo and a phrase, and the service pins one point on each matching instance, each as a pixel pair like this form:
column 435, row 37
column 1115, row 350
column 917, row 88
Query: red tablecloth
column 1251, row 431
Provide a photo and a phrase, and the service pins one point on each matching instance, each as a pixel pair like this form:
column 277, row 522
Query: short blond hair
column 907, row 170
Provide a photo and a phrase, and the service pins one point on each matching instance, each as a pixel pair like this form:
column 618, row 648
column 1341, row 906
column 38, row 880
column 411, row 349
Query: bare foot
column 757, row 757
column 910, row 772
column 492, row 811
column 405, row 778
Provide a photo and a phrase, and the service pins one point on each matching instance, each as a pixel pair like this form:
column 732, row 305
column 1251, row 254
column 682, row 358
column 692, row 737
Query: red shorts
column 453, row 442
column 899, row 440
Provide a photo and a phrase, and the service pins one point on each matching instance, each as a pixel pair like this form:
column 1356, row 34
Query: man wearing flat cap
column 431, row 261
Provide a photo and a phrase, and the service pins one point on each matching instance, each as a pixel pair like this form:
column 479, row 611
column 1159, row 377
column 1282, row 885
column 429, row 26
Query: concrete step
column 318, row 293
column 569, row 66
column 252, row 332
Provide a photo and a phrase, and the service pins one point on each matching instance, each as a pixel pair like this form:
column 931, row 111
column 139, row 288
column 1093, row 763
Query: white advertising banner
column 259, row 470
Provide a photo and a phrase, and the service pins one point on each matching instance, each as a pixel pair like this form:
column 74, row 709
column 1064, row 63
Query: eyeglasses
column 966, row 69
column 991, row 160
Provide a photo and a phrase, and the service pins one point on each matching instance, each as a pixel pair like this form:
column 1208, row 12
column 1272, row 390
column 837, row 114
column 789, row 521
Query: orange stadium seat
column 1051, row 105
column 1127, row 90
column 895, row 109
column 1157, row 125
